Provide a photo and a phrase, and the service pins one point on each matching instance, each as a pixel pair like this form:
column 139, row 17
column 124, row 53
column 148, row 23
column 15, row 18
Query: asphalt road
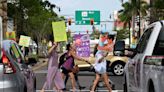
column 85, row 78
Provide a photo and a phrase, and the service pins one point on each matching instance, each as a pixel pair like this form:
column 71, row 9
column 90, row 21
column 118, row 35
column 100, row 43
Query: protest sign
column 82, row 43
column 59, row 31
column 11, row 35
column 24, row 41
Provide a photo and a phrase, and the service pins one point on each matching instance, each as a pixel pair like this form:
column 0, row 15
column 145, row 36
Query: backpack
column 62, row 59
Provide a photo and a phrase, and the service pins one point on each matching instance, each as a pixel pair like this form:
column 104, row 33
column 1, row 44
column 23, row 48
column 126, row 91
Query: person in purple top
column 53, row 75
column 67, row 66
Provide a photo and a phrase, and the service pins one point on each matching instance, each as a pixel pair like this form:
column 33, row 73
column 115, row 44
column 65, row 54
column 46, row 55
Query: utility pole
column 3, row 14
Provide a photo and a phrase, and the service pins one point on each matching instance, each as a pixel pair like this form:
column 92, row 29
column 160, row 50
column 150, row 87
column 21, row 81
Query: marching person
column 76, row 79
column 53, row 75
column 100, row 63
column 68, row 65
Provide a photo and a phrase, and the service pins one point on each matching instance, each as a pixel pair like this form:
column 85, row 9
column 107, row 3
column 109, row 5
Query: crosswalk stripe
column 83, row 91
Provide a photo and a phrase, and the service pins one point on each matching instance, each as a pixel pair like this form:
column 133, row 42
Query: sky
column 106, row 8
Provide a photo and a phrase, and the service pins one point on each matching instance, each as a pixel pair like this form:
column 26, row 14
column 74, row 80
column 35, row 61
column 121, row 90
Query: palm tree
column 125, row 15
column 131, row 10
column 126, row 18
column 157, row 10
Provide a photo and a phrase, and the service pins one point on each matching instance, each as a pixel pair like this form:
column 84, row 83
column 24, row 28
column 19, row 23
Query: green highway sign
column 83, row 17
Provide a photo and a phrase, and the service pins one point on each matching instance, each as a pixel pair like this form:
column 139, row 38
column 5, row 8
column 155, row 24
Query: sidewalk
column 42, row 62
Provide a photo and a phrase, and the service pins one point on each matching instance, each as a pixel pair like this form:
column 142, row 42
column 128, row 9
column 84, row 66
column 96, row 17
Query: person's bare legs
column 95, row 82
column 72, row 80
column 106, row 81
column 42, row 90
column 45, row 84
column 56, row 89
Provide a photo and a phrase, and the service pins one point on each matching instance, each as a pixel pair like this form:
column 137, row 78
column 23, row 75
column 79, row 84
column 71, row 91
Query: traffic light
column 91, row 21
column 87, row 31
column 69, row 21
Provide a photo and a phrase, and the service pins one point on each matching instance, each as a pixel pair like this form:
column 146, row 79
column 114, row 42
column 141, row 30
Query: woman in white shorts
column 100, row 64
column 100, row 69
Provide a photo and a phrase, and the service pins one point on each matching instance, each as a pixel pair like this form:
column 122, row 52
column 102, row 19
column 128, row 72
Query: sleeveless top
column 69, row 63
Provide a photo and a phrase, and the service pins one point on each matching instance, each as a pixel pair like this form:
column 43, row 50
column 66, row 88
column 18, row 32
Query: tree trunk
column 129, row 26
column 4, row 17
column 15, row 25
column 133, row 25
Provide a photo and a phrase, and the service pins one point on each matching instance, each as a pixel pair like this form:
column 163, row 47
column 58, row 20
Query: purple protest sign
column 82, row 42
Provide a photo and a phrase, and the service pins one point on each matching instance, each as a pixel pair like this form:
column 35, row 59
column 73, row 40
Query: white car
column 144, row 72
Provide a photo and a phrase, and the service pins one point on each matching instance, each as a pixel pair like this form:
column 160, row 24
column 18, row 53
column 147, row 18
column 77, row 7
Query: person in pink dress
column 54, row 77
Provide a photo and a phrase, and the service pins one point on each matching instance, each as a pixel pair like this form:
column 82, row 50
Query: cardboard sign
column 11, row 35
column 24, row 41
column 59, row 31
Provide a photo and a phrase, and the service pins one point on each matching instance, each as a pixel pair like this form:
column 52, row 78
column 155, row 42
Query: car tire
column 151, row 87
column 118, row 68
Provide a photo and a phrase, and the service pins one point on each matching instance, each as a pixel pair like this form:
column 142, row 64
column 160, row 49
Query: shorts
column 64, row 70
column 100, row 68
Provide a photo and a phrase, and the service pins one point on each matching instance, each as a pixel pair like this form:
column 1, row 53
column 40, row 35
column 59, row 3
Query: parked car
column 15, row 76
column 115, row 62
column 144, row 71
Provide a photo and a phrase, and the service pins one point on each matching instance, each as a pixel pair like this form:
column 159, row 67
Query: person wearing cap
column 105, row 45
